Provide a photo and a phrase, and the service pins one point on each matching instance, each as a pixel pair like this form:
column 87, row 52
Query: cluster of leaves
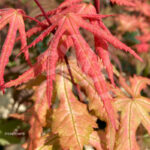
column 75, row 93
column 134, row 22
column 138, row 22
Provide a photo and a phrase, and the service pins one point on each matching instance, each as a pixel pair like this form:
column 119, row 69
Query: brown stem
column 72, row 80
column 69, row 70
column 37, row 21
column 42, row 10
column 97, row 5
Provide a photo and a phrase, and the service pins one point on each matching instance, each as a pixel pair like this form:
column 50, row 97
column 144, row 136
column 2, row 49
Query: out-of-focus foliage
column 12, row 131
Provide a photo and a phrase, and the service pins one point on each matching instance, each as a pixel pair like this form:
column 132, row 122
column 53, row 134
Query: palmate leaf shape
column 94, row 101
column 74, row 22
column 71, row 119
column 68, row 22
column 15, row 20
column 134, row 110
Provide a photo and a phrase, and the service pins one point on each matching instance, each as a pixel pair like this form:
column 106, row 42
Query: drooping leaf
column 69, row 117
column 94, row 101
column 88, row 63
column 104, row 35
column 15, row 20
column 52, row 59
column 38, row 118
column 86, row 83
column 110, row 135
column 101, row 47
column 31, row 73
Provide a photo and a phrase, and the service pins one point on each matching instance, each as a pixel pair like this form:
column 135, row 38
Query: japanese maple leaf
column 134, row 110
column 94, row 100
column 67, row 22
column 68, row 118
column 15, row 20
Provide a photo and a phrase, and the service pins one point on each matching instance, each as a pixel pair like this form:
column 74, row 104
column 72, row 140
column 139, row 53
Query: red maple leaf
column 15, row 20
column 67, row 22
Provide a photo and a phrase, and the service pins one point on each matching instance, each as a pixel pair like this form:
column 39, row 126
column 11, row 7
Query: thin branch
column 37, row 21
column 72, row 80
column 97, row 5
column 42, row 10
column 69, row 70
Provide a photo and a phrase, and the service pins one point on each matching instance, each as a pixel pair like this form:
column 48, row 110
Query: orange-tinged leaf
column 38, row 119
column 94, row 101
column 127, row 23
column 129, row 122
column 85, row 82
column 41, row 106
column 23, row 117
column 34, row 133
column 49, row 142
column 134, row 111
column 95, row 141
column 110, row 135
column 137, row 84
column 68, row 119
